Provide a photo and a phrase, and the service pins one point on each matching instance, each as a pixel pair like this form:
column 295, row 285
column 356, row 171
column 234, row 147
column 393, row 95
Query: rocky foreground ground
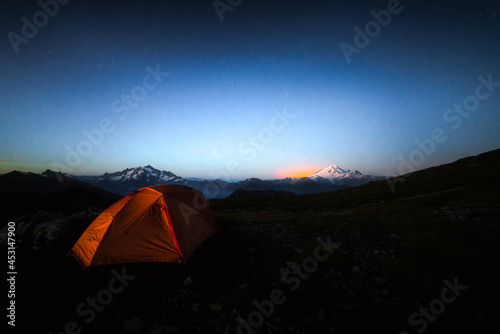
column 252, row 277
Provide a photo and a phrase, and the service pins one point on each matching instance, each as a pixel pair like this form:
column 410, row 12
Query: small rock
column 195, row 308
column 321, row 314
column 346, row 306
column 380, row 280
column 118, row 315
column 356, row 270
column 132, row 326
column 215, row 307
column 188, row 281
column 242, row 286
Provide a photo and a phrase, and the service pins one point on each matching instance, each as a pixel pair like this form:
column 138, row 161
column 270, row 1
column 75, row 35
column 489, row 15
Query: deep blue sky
column 228, row 79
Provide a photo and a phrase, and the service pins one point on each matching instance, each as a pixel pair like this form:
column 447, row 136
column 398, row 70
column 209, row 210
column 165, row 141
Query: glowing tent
column 163, row 223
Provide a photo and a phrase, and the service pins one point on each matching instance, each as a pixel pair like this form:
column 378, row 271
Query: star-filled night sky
column 264, row 89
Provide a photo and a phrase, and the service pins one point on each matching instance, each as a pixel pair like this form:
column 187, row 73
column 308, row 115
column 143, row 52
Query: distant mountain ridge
column 327, row 179
column 123, row 182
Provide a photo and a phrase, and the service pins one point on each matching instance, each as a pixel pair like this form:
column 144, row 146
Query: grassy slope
column 446, row 219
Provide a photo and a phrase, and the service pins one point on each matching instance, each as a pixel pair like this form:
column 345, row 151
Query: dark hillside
column 467, row 173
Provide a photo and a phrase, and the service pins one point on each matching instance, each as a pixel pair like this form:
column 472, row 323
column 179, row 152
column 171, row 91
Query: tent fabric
column 162, row 223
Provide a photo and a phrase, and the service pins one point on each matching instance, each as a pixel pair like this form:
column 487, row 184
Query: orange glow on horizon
column 298, row 171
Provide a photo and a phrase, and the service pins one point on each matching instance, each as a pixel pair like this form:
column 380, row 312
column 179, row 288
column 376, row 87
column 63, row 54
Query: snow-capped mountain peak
column 337, row 175
column 147, row 174
column 332, row 171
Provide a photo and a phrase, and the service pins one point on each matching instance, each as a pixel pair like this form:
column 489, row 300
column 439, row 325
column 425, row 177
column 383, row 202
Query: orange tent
column 163, row 223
